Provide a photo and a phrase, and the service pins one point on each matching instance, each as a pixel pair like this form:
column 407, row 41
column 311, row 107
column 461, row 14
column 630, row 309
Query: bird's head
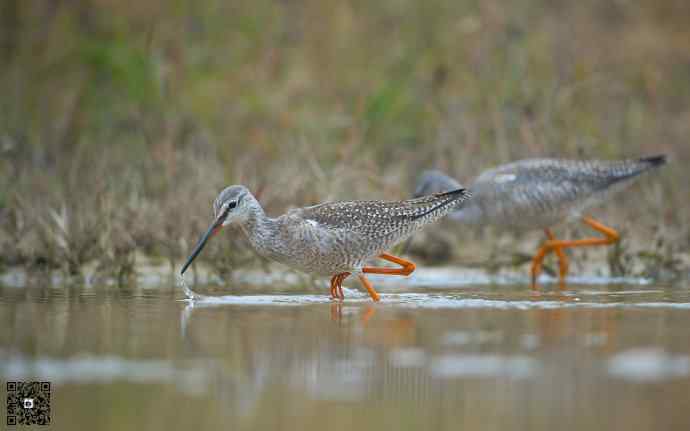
column 431, row 182
column 233, row 205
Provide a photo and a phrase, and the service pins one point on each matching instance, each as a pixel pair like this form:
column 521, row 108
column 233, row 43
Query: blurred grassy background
column 121, row 120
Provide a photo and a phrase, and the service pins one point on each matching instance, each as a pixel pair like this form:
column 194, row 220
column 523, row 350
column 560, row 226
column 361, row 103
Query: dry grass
column 122, row 120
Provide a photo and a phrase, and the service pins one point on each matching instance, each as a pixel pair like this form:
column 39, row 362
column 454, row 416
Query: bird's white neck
column 261, row 231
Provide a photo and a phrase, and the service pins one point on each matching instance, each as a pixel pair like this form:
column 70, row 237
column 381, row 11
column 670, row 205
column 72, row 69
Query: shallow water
column 432, row 354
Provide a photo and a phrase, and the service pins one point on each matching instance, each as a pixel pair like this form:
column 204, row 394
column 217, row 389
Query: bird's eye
column 232, row 204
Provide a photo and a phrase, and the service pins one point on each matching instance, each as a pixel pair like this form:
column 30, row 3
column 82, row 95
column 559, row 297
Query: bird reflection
column 563, row 324
column 256, row 354
column 364, row 316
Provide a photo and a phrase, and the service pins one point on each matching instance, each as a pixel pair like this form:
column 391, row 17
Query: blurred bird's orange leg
column 557, row 246
column 562, row 258
column 407, row 267
column 610, row 236
column 537, row 261
column 367, row 285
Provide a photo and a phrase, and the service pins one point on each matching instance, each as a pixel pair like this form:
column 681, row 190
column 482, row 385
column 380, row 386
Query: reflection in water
column 330, row 372
column 384, row 365
column 106, row 369
column 366, row 312
column 485, row 357
column 519, row 367
column 648, row 365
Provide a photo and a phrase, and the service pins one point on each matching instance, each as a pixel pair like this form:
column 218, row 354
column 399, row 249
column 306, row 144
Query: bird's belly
column 318, row 265
column 325, row 257
column 552, row 214
column 526, row 218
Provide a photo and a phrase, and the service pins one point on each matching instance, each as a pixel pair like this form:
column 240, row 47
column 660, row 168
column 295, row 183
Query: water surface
column 429, row 356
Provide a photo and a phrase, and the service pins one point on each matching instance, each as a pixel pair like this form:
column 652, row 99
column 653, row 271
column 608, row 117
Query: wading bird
column 332, row 239
column 540, row 194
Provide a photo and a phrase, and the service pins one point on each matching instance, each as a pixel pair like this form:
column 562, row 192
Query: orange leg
column 610, row 237
column 406, row 268
column 562, row 258
column 337, row 280
column 541, row 254
column 342, row 278
column 537, row 263
column 333, row 288
column 337, row 285
column 367, row 285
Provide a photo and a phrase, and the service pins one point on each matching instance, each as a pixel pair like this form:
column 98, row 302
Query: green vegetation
column 121, row 120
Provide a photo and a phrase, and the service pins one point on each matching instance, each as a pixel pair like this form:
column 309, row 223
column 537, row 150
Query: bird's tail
column 620, row 173
column 444, row 202
column 439, row 185
column 634, row 168
column 654, row 161
column 456, row 193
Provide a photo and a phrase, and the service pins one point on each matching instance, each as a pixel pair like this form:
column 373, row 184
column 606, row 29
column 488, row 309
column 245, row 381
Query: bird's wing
column 540, row 184
column 377, row 218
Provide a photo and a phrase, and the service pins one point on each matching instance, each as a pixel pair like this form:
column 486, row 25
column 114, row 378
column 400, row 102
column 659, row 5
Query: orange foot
column 337, row 285
column 406, row 268
column 557, row 246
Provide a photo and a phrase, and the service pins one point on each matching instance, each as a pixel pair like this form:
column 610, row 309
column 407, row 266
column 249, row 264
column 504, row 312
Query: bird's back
column 543, row 192
column 339, row 236
column 379, row 219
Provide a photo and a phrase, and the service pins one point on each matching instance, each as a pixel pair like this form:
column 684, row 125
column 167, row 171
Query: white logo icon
column 28, row 403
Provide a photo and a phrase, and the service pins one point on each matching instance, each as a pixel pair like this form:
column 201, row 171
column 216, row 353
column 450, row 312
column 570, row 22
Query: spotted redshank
column 540, row 194
column 333, row 239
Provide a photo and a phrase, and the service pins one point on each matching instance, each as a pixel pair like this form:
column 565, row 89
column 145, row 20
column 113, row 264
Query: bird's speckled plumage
column 538, row 193
column 333, row 237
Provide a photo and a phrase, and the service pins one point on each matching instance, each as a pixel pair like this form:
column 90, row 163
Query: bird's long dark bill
column 212, row 230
